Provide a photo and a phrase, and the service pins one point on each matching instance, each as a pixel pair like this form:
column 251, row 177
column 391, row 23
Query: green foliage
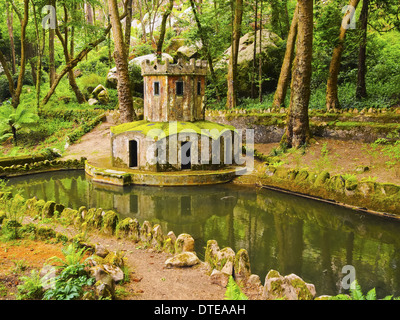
column 31, row 288
column 357, row 294
column 233, row 291
column 16, row 119
column 70, row 283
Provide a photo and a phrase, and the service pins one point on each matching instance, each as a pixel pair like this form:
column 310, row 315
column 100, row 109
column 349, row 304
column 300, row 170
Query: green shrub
column 32, row 288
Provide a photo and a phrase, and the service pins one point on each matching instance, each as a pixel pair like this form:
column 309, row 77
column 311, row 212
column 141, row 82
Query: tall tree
column 160, row 42
column 206, row 46
column 253, row 74
column 231, row 100
column 284, row 78
column 127, row 114
column 297, row 127
column 361, row 91
column 332, row 99
column 16, row 91
column 10, row 22
column 128, row 25
column 64, row 42
column 52, row 64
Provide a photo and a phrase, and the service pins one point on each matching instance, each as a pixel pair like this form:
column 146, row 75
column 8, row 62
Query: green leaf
column 233, row 291
column 371, row 295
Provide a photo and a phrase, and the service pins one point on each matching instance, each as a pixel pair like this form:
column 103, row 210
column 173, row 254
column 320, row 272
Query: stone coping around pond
column 42, row 167
column 221, row 263
column 366, row 194
column 123, row 177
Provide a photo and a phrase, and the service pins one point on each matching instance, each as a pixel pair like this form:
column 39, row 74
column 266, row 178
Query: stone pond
column 311, row 239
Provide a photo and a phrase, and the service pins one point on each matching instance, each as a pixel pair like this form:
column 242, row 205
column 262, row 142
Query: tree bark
column 10, row 19
column 361, row 91
column 260, row 81
column 253, row 74
column 163, row 29
column 297, row 129
column 24, row 23
column 52, row 65
column 204, row 41
column 71, row 77
column 127, row 114
column 284, row 78
column 128, row 26
column 231, row 100
column 332, row 99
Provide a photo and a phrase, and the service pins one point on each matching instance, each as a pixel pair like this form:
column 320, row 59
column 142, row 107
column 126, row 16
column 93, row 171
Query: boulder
column 93, row 102
column 115, row 272
column 219, row 278
column 182, row 260
column 272, row 52
column 145, row 232
column 224, row 260
column 158, row 237
column 103, row 97
column 241, row 267
column 184, row 243
column 290, row 287
column 112, row 78
column 188, row 52
column 212, row 250
column 101, row 251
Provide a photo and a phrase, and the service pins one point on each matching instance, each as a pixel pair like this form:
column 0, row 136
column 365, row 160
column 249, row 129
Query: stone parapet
column 194, row 67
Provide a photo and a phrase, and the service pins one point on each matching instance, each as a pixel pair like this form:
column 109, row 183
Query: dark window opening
column 156, row 88
column 133, row 154
column 199, row 88
column 186, row 155
column 179, row 88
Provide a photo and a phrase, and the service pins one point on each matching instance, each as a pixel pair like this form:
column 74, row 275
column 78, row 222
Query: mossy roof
column 161, row 130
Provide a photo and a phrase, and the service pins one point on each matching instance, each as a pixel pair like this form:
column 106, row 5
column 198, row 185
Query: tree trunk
column 332, row 99
column 279, row 17
column 260, row 81
column 361, row 91
column 52, row 65
column 297, row 129
column 24, row 23
column 231, row 100
column 127, row 114
column 10, row 19
column 128, row 26
column 253, row 74
column 204, row 41
column 284, row 78
column 71, row 77
column 163, row 28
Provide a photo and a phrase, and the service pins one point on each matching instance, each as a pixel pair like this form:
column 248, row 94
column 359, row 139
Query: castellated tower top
column 182, row 68
column 174, row 92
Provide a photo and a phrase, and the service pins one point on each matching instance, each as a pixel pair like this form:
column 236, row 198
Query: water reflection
column 293, row 235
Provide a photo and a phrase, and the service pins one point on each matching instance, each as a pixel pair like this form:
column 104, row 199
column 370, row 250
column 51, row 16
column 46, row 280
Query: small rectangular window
column 179, row 88
column 198, row 88
column 156, row 88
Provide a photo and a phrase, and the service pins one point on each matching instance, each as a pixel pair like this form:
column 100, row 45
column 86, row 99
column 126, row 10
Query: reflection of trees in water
column 290, row 234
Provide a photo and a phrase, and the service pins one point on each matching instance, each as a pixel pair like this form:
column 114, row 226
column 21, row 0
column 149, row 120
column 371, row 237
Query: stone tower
column 174, row 92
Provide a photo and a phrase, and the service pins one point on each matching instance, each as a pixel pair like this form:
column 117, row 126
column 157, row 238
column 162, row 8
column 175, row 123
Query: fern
column 233, row 291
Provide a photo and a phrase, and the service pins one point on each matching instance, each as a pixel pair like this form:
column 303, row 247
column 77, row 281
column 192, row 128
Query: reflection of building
column 173, row 135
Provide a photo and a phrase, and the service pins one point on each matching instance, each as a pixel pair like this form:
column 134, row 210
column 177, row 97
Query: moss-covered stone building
column 173, row 135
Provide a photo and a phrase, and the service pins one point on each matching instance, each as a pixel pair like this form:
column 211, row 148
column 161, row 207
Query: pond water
column 312, row 239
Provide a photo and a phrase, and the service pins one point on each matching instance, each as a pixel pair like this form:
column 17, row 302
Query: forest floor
column 360, row 159
column 149, row 279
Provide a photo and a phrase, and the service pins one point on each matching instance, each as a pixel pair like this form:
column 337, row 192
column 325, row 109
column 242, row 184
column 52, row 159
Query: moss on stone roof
column 161, row 130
